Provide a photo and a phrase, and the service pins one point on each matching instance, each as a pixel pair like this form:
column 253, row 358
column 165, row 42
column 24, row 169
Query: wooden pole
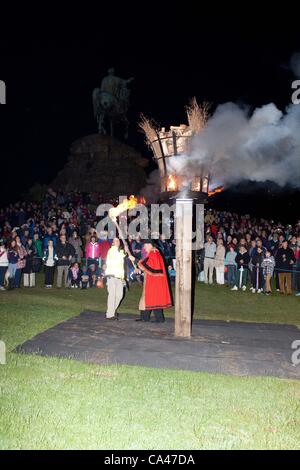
column 183, row 290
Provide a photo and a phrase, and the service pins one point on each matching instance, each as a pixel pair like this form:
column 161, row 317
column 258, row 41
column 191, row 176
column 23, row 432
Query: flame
column 126, row 204
column 142, row 200
column 219, row 189
column 196, row 187
column 171, row 183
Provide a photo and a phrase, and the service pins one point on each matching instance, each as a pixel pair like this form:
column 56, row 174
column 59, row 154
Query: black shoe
column 112, row 318
column 138, row 319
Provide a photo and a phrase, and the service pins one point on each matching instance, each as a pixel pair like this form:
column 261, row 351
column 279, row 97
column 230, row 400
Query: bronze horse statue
column 110, row 103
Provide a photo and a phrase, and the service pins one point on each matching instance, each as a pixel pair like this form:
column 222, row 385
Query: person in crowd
column 243, row 242
column 200, row 254
column 209, row 259
column 115, row 276
column 171, row 273
column 285, row 259
column 219, row 261
column 156, row 294
column 242, row 260
column 3, row 264
column 165, row 248
column 84, row 277
column 49, row 236
column 248, row 241
column 136, row 247
column 29, row 269
column 94, row 273
column 13, row 258
column 209, row 217
column 65, row 253
column 235, row 242
column 37, row 261
column 50, row 259
column 75, row 274
column 76, row 242
column 92, row 251
column 294, row 245
column 228, row 241
column 257, row 279
column 268, row 266
column 104, row 246
column 231, row 265
column 6, row 230
column 21, row 262
column 273, row 242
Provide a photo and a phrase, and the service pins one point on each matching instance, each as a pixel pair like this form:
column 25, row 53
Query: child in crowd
column 231, row 265
column 84, row 278
column 268, row 266
column 94, row 274
column 74, row 275
column 171, row 273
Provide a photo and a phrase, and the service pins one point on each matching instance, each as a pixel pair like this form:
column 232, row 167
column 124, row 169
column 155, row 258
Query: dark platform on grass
column 216, row 346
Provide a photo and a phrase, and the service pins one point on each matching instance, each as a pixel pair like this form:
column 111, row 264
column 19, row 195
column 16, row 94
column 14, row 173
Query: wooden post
column 183, row 291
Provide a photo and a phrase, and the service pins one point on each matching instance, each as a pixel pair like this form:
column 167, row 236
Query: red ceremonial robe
column 156, row 292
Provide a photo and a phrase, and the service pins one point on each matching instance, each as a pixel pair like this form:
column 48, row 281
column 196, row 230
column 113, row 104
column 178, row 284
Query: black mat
column 216, row 346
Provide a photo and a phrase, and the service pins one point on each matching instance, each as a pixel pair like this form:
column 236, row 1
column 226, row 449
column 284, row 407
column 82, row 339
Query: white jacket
column 3, row 259
column 115, row 263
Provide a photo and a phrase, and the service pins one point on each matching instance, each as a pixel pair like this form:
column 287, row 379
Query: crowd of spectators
column 246, row 252
column 58, row 236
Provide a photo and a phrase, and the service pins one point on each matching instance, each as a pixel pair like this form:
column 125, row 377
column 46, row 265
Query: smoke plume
column 237, row 145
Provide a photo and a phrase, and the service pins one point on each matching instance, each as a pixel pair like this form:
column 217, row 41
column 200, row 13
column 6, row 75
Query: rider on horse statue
column 111, row 103
column 116, row 86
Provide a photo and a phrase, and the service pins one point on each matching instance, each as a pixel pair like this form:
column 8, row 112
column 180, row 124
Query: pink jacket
column 92, row 250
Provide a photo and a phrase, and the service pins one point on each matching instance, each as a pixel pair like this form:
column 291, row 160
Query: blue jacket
column 46, row 255
column 49, row 237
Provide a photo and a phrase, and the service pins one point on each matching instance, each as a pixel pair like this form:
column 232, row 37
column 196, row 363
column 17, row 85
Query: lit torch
column 114, row 212
column 126, row 204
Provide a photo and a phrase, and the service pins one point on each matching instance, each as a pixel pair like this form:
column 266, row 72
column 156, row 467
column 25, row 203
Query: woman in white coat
column 219, row 261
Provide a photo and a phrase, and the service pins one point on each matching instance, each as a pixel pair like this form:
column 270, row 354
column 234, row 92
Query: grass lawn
column 50, row 403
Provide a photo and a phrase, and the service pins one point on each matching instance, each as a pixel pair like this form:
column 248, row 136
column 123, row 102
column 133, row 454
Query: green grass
column 51, row 403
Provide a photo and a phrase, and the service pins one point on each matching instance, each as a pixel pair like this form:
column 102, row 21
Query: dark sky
column 50, row 70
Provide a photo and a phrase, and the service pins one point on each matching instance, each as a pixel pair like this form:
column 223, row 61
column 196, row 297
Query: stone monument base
column 102, row 164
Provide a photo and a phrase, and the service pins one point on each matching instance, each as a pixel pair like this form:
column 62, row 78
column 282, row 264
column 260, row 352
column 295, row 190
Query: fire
column 171, row 183
column 219, row 189
column 126, row 204
column 142, row 200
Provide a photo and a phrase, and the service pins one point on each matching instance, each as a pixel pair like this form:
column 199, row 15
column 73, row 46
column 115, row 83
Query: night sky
column 51, row 69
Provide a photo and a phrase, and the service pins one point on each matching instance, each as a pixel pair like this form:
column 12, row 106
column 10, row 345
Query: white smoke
column 236, row 145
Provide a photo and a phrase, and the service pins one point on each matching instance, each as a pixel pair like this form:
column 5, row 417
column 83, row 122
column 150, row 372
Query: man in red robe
column 156, row 291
